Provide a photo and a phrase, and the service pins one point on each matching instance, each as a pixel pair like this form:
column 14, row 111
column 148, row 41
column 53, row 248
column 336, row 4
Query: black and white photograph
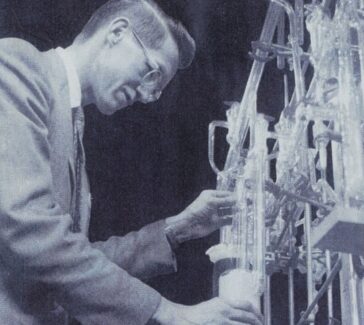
column 182, row 162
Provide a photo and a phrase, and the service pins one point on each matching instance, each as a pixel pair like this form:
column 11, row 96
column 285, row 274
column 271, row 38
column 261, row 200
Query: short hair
column 149, row 22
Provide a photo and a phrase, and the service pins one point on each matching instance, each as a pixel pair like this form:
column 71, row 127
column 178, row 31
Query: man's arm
column 147, row 252
column 144, row 253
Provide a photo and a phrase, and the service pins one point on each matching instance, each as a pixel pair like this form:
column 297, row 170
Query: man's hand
column 201, row 217
column 212, row 312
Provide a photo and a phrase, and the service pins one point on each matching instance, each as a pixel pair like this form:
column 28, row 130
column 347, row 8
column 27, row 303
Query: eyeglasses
column 149, row 86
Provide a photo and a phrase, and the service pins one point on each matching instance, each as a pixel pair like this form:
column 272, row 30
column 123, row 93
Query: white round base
column 238, row 286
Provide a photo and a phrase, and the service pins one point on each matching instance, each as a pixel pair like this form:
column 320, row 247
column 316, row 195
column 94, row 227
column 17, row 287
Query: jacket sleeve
column 144, row 253
column 35, row 239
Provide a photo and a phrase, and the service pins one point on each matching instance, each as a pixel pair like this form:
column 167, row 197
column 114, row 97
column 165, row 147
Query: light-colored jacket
column 43, row 265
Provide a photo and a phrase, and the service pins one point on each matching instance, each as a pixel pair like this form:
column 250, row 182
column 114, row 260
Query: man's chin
column 109, row 110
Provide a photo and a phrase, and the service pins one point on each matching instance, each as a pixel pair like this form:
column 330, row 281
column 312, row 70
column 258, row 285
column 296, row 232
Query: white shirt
column 72, row 77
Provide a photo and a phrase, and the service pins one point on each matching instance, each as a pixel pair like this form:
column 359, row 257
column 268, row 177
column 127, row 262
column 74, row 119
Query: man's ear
column 117, row 30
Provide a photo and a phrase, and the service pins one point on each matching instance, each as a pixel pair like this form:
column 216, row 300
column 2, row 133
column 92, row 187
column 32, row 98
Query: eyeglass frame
column 155, row 94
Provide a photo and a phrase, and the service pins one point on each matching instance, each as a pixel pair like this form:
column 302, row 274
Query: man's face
column 126, row 71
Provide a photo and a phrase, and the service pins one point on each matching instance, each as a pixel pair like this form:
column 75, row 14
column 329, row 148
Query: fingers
column 219, row 198
column 221, row 194
column 246, row 317
column 222, row 201
column 246, row 313
column 249, row 307
column 227, row 201
column 217, row 193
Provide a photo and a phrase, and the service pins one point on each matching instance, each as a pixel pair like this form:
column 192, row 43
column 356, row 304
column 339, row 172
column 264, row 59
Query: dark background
column 150, row 161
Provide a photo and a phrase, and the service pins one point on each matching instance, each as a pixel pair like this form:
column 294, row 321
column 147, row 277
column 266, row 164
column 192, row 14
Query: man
column 127, row 52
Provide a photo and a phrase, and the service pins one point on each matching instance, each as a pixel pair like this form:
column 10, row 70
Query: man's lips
column 128, row 95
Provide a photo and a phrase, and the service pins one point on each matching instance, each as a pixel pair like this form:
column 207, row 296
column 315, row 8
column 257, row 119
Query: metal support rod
column 361, row 297
column 286, row 90
column 308, row 254
column 299, row 11
column 351, row 302
column 291, row 295
column 353, row 284
column 330, row 305
column 267, row 302
column 335, row 270
column 280, row 41
column 291, row 276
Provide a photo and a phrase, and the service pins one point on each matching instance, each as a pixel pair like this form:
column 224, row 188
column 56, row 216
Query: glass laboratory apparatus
column 306, row 213
column 242, row 248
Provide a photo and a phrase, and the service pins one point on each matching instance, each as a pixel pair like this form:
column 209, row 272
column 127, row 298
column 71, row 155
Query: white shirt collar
column 72, row 77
